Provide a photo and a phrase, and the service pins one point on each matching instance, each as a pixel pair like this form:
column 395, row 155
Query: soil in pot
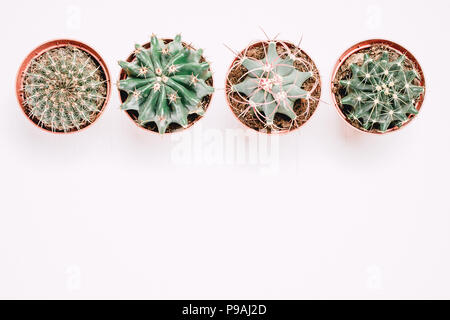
column 64, row 88
column 192, row 118
column 303, row 108
column 375, row 51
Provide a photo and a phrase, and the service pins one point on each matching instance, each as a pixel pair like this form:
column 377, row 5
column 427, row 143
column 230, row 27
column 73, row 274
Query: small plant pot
column 249, row 114
column 355, row 55
column 173, row 127
column 101, row 77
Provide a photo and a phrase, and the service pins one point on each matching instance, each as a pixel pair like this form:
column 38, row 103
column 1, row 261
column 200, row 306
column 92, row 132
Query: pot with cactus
column 378, row 86
column 166, row 85
column 273, row 86
column 63, row 86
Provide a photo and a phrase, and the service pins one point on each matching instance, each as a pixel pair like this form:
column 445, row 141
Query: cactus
column 64, row 89
column 166, row 83
column 381, row 94
column 273, row 85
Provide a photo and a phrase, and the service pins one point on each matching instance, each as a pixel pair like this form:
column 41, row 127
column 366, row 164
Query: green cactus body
column 272, row 85
column 64, row 89
column 381, row 94
column 166, row 83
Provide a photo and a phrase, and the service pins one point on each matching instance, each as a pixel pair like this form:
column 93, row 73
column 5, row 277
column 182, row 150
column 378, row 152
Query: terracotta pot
column 50, row 46
column 228, row 86
column 364, row 45
column 133, row 116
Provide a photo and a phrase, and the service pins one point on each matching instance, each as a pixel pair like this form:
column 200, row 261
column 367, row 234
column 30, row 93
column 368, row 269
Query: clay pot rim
column 364, row 45
column 50, row 45
column 256, row 43
column 123, row 75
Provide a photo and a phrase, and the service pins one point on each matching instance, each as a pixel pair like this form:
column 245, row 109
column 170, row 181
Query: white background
column 117, row 212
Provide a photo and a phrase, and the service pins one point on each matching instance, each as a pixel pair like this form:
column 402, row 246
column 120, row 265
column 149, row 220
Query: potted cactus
column 63, row 86
column 378, row 86
column 165, row 85
column 273, row 87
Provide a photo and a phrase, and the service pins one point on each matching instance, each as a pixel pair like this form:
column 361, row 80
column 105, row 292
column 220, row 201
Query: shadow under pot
column 378, row 86
column 63, row 86
column 273, row 87
column 166, row 85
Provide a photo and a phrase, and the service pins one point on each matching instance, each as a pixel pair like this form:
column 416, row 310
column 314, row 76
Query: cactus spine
column 381, row 94
column 64, row 89
column 166, row 83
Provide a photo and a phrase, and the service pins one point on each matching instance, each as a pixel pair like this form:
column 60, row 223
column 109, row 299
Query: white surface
column 116, row 212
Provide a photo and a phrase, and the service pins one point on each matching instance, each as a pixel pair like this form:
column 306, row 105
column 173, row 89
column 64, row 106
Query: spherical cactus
column 381, row 94
column 166, row 83
column 64, row 89
column 272, row 85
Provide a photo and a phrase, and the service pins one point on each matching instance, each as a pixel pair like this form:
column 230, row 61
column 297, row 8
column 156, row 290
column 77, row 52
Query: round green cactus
column 64, row 89
column 381, row 94
column 272, row 85
column 166, row 83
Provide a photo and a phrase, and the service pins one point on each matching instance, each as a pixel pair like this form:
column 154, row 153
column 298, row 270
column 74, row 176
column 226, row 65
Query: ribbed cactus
column 381, row 93
column 166, row 83
column 64, row 89
column 273, row 84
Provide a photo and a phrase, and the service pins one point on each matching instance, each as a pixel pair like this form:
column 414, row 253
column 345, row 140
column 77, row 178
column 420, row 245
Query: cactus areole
column 273, row 86
column 378, row 86
column 165, row 85
column 63, row 86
